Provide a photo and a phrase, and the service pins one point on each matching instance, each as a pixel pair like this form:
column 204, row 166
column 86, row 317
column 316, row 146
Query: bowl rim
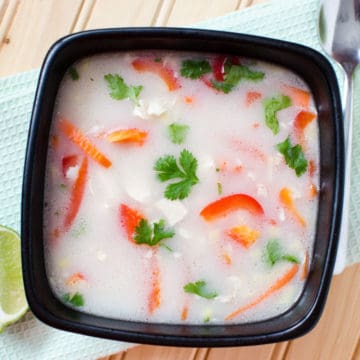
column 35, row 292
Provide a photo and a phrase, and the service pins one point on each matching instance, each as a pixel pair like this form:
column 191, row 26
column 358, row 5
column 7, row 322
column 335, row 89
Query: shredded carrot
column 130, row 219
column 127, row 136
column 256, row 125
column 78, row 138
column 244, row 235
column 302, row 120
column 251, row 97
column 312, row 168
column 165, row 73
column 313, row 191
column 286, row 199
column 280, row 283
column 248, row 148
column 77, row 194
column 305, row 268
column 188, row 99
column 228, row 204
column 298, row 96
column 54, row 141
column 184, row 313
column 154, row 299
column 227, row 258
column 75, row 278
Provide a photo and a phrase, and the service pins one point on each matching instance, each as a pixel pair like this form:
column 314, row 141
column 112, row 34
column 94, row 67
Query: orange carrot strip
column 227, row 258
column 154, row 299
column 298, row 96
column 127, row 136
column 77, row 194
column 312, row 168
column 184, row 313
column 228, row 204
column 75, row 278
column 305, row 268
column 303, row 119
column 165, row 73
column 78, row 138
column 280, row 282
column 129, row 219
column 313, row 191
column 188, row 99
column 54, row 141
column 246, row 147
column 251, row 97
column 286, row 199
column 244, row 235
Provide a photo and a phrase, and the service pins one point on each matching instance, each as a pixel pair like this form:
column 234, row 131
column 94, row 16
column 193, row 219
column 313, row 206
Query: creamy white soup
column 181, row 188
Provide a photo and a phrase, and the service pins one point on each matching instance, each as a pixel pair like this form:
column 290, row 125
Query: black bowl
column 308, row 64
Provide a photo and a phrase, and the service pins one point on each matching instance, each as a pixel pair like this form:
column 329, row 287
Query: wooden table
column 27, row 29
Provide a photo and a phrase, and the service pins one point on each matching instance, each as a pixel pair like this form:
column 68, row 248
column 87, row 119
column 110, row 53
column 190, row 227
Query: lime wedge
column 12, row 296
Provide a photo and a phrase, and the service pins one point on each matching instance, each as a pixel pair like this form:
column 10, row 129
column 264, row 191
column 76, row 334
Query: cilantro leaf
column 143, row 233
column 119, row 90
column 167, row 168
column 273, row 254
column 160, row 233
column 199, row 288
column 178, row 132
column 271, row 107
column 194, row 69
column 73, row 73
column 152, row 235
column 76, row 299
column 294, row 156
column 234, row 74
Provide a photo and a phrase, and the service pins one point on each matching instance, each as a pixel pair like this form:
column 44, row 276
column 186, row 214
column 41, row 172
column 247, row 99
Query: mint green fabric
column 291, row 20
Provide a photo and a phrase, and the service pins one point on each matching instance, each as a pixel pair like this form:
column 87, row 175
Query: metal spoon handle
column 348, row 126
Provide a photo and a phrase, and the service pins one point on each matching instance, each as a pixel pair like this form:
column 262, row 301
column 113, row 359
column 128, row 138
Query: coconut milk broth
column 236, row 154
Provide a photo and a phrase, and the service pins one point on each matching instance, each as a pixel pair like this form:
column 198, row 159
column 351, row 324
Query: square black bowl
column 308, row 64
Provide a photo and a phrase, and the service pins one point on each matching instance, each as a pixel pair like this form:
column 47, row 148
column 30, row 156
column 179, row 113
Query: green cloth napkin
column 29, row 339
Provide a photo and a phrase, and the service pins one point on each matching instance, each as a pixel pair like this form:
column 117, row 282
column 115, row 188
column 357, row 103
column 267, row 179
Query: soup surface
column 181, row 187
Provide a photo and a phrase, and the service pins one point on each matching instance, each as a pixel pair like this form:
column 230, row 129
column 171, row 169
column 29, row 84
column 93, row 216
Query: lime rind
column 12, row 295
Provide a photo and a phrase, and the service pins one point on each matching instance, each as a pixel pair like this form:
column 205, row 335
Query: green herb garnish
column 199, row 288
column 273, row 254
column 73, row 73
column 294, row 156
column 234, row 74
column 152, row 235
column 119, row 90
column 76, row 299
column 168, row 168
column 178, row 132
column 271, row 107
column 195, row 69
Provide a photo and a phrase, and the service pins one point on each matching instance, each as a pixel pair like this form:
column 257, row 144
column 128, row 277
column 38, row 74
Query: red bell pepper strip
column 165, row 73
column 228, row 204
column 281, row 282
column 68, row 162
column 77, row 193
column 129, row 219
column 78, row 138
column 218, row 67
